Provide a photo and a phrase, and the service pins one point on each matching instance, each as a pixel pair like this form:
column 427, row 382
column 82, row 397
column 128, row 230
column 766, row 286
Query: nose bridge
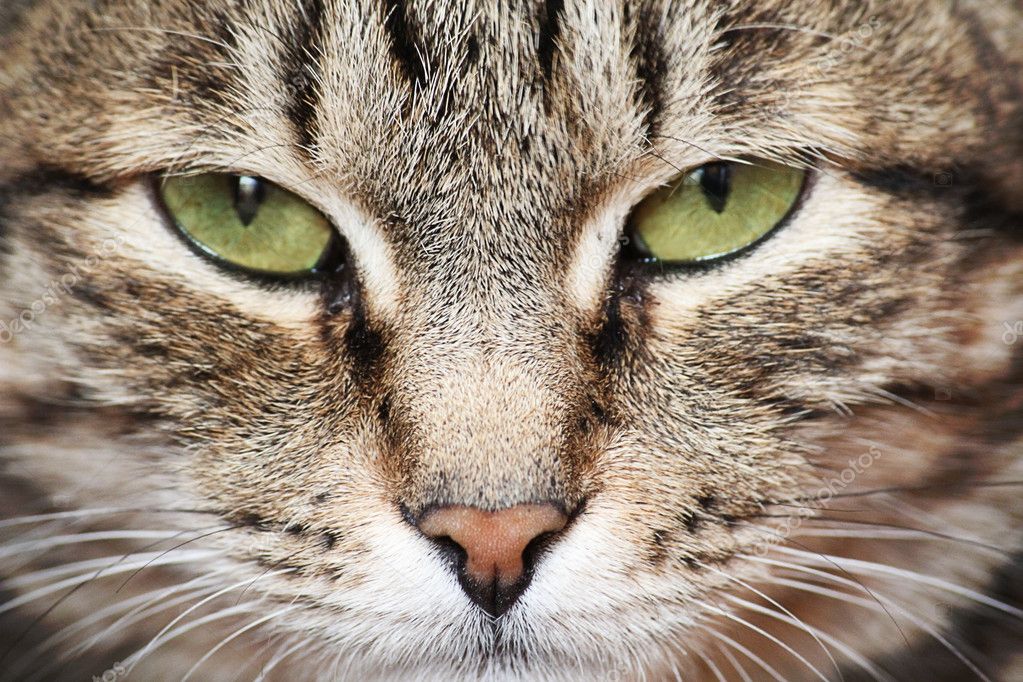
column 488, row 412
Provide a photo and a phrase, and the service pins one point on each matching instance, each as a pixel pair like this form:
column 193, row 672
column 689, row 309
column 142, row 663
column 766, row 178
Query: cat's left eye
column 248, row 223
column 715, row 210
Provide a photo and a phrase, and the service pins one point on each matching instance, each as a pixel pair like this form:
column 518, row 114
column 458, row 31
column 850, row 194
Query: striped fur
column 802, row 463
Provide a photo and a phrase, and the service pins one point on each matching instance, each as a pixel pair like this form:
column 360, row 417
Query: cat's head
column 509, row 406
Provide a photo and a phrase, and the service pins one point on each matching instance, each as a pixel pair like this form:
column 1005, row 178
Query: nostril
column 452, row 552
column 493, row 551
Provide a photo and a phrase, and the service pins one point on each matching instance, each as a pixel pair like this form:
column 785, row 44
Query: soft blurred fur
column 802, row 464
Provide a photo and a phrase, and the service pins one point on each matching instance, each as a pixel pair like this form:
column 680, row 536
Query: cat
column 561, row 340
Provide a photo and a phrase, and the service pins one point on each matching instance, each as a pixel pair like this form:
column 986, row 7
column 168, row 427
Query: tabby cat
column 537, row 340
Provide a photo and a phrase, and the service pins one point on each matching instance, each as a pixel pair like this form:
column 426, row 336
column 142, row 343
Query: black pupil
column 716, row 183
column 249, row 193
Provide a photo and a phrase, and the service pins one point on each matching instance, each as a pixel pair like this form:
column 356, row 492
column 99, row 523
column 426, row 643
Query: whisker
column 728, row 641
column 144, row 651
column 279, row 658
column 911, row 532
column 10, row 605
column 75, row 583
column 910, row 489
column 79, row 538
column 228, row 612
column 145, row 610
column 871, row 567
column 139, row 608
column 233, row 636
column 842, row 570
column 865, row 664
column 765, row 634
column 735, row 664
column 781, row 608
column 915, row 620
column 715, row 671
column 176, row 547
column 100, row 511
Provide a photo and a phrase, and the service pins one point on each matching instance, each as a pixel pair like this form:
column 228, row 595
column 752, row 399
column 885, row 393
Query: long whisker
column 149, row 606
column 237, row 633
column 842, row 570
column 152, row 642
column 908, row 489
column 765, row 634
column 228, row 612
column 174, row 548
column 75, row 583
column 865, row 664
column 781, row 608
column 52, row 542
column 728, row 641
column 279, row 658
column 99, row 511
column 917, row 621
column 714, row 670
column 860, row 566
column 10, row 605
column 735, row 664
column 853, row 599
column 911, row 532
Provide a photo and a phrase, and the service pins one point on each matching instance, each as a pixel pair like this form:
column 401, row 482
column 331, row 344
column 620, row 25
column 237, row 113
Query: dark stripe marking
column 650, row 63
column 406, row 46
column 550, row 31
column 41, row 181
column 301, row 74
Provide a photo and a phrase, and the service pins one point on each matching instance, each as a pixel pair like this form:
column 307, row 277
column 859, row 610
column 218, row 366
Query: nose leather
column 496, row 567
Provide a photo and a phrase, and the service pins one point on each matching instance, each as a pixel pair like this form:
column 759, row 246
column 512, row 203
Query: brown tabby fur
column 487, row 344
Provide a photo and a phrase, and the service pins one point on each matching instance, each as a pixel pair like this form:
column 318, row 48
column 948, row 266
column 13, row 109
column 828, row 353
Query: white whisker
column 715, row 671
column 728, row 641
column 228, row 612
column 792, row 616
column 765, row 634
column 234, row 635
column 735, row 664
column 865, row 603
column 860, row 566
column 77, row 538
column 152, row 642
column 184, row 557
column 865, row 664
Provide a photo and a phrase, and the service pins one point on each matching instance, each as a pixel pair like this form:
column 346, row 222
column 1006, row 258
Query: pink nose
column 496, row 566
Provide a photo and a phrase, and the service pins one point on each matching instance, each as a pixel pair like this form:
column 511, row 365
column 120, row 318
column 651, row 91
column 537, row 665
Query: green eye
column 715, row 210
column 248, row 222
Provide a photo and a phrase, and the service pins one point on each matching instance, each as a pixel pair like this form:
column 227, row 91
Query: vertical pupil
column 716, row 183
column 249, row 193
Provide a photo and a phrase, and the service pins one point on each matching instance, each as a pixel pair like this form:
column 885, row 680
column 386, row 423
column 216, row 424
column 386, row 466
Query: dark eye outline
column 336, row 256
column 632, row 250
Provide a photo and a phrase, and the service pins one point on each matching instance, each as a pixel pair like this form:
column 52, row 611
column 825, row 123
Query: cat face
column 492, row 348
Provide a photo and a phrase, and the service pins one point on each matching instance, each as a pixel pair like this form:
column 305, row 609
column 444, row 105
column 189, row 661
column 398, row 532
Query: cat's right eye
column 248, row 223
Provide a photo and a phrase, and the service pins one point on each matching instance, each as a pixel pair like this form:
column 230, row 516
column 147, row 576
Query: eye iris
column 249, row 194
column 249, row 223
column 714, row 211
column 716, row 183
